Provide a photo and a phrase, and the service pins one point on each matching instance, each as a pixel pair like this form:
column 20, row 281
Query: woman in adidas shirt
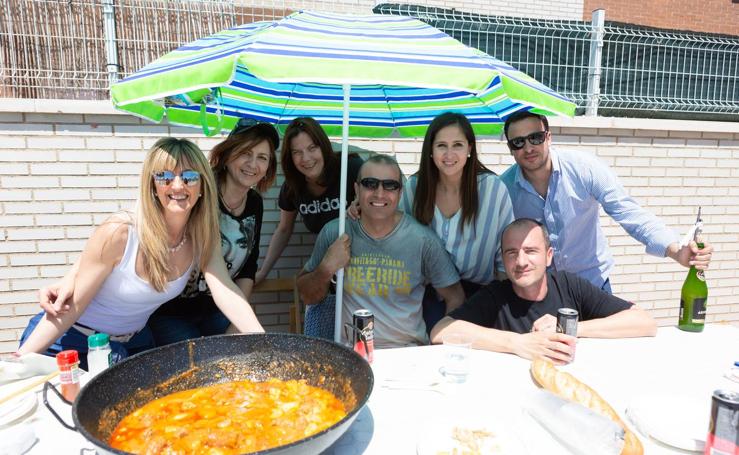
column 311, row 188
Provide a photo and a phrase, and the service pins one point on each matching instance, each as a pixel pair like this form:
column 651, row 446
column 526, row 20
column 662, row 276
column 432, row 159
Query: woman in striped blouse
column 464, row 202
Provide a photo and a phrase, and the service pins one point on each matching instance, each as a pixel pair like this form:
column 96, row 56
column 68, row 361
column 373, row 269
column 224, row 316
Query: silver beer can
column 567, row 321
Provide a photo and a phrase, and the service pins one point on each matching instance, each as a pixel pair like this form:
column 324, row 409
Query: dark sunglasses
column 244, row 124
column 165, row 178
column 536, row 138
column 372, row 183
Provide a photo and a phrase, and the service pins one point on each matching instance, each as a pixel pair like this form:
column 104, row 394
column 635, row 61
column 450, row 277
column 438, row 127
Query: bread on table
column 570, row 388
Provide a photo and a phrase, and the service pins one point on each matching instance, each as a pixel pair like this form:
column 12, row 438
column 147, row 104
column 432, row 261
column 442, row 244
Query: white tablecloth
column 673, row 362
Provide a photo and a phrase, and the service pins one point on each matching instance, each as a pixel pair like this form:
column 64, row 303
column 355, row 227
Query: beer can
column 364, row 333
column 567, row 321
column 723, row 428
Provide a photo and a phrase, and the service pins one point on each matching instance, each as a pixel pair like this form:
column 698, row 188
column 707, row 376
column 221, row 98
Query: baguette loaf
column 570, row 388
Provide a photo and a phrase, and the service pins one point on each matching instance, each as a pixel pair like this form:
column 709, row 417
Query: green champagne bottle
column 694, row 293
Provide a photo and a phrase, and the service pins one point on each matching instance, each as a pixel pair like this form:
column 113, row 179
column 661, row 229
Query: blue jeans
column 607, row 286
column 74, row 339
column 319, row 318
column 434, row 308
column 170, row 328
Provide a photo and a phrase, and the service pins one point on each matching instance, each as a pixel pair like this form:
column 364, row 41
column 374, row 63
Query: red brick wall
column 713, row 16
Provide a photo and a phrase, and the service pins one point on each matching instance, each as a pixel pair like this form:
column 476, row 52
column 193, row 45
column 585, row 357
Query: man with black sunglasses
column 564, row 190
column 388, row 258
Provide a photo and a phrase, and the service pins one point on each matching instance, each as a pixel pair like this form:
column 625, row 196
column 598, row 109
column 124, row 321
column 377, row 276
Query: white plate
column 678, row 421
column 733, row 374
column 17, row 408
column 491, row 435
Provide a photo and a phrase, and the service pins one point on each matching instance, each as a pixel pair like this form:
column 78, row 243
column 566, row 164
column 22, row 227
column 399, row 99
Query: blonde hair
column 202, row 225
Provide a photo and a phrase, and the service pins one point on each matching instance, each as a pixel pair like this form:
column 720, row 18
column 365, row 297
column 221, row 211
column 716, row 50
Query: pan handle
column 47, row 386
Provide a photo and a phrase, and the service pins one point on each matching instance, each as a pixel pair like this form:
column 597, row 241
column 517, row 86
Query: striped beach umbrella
column 369, row 76
column 402, row 73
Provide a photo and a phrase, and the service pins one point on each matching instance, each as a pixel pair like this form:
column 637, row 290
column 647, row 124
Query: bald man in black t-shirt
column 518, row 315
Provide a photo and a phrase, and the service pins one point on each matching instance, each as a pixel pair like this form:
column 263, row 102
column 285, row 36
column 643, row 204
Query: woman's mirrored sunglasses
column 372, row 183
column 536, row 138
column 165, row 178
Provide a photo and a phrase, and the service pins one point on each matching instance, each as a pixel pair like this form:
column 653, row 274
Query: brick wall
column 544, row 9
column 65, row 165
column 711, row 16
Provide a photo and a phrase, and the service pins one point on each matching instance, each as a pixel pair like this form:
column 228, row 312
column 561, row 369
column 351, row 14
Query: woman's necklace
column 235, row 207
column 179, row 246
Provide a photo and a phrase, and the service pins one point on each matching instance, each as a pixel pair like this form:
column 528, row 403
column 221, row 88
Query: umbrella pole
column 342, row 209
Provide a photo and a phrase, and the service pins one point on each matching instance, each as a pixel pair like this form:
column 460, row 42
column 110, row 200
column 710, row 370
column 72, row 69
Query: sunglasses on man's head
column 372, row 183
column 536, row 138
column 165, row 178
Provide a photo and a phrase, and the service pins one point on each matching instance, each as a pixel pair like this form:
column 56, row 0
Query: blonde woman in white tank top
column 150, row 254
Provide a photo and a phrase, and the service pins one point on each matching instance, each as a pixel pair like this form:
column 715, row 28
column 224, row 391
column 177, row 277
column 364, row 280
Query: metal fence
column 57, row 49
column 617, row 68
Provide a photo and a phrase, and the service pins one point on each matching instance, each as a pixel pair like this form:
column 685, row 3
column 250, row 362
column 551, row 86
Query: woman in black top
column 244, row 161
column 312, row 184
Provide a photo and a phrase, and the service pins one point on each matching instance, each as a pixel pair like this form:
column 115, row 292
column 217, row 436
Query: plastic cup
column 457, row 349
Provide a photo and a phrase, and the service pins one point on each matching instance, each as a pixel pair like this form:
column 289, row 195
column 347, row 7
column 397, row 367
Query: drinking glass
column 457, row 347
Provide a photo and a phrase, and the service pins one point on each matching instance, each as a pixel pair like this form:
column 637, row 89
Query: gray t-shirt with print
column 387, row 276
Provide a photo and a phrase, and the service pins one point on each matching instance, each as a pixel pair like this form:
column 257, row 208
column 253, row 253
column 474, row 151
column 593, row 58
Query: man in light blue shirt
column 563, row 190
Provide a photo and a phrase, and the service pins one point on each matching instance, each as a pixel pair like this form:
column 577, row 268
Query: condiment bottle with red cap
column 69, row 373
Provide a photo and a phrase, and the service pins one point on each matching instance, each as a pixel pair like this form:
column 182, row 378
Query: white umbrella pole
column 342, row 209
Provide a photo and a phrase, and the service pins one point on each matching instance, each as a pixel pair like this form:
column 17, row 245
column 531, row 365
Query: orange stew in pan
column 229, row 418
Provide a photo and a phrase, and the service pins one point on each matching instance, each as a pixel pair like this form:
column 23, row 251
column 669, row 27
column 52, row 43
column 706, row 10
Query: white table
column 673, row 362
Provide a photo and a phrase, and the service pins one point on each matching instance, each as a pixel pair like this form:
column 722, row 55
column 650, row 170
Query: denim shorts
column 434, row 307
column 319, row 318
column 171, row 328
column 74, row 339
